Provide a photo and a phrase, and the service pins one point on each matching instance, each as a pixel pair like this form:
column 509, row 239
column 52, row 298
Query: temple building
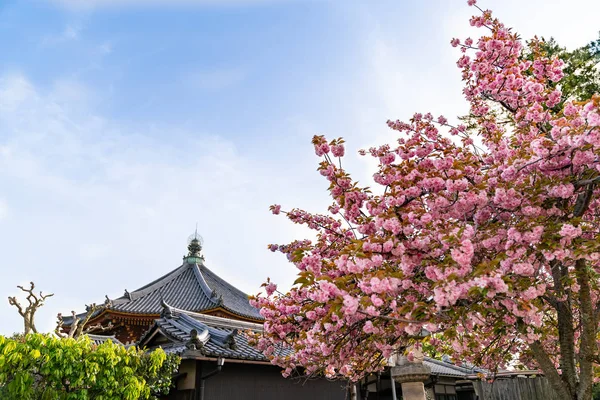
column 191, row 287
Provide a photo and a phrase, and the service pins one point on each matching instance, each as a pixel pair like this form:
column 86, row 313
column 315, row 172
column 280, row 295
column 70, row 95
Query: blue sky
column 125, row 122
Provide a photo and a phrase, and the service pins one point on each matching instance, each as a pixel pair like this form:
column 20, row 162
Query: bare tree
column 79, row 326
column 35, row 301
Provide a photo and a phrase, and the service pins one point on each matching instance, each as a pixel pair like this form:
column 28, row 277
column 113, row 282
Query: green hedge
column 45, row 367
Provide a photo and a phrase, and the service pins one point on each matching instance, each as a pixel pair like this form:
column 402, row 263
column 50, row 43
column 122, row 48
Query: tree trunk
column 29, row 328
column 566, row 333
column 554, row 379
column 587, row 345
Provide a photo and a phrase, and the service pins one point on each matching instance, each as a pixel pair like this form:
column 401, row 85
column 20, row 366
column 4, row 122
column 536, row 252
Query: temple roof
column 442, row 368
column 190, row 334
column 191, row 287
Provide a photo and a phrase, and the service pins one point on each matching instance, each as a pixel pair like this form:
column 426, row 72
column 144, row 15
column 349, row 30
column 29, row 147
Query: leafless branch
column 35, row 301
column 80, row 326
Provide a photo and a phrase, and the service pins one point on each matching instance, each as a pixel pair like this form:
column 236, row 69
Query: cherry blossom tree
column 484, row 235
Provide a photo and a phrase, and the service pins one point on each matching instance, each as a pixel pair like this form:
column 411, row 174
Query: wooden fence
column 515, row 389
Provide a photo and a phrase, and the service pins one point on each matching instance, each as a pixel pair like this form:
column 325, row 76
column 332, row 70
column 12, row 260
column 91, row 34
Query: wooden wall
column 515, row 389
column 180, row 395
column 264, row 382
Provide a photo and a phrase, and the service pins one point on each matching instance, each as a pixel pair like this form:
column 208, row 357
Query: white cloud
column 93, row 251
column 95, row 4
column 14, row 91
column 69, row 33
column 98, row 206
column 3, row 209
column 105, row 48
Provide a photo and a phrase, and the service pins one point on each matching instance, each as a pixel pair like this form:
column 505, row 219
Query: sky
column 123, row 123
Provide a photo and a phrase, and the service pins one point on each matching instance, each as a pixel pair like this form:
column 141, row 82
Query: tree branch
column 80, row 326
column 550, row 371
column 583, row 201
column 35, row 302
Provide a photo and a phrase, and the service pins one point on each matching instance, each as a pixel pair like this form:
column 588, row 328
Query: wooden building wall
column 180, row 395
column 515, row 389
column 259, row 382
column 264, row 382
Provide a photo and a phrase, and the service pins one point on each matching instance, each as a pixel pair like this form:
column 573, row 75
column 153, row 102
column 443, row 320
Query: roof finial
column 195, row 242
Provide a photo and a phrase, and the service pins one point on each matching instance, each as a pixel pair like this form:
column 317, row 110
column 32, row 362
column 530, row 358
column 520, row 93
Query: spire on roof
column 195, row 243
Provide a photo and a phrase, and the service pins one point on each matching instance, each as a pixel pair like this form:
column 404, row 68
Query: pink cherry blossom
column 276, row 209
column 484, row 233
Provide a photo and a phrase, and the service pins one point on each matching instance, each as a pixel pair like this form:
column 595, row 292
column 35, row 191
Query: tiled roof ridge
column 208, row 336
column 451, row 366
column 203, row 285
column 218, row 335
column 219, row 321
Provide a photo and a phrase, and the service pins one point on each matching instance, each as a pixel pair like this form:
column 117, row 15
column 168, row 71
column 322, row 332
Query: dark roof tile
column 177, row 327
column 191, row 287
column 443, row 368
column 99, row 339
